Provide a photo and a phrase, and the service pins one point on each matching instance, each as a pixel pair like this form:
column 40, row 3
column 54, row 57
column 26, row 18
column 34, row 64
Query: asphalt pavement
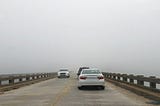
column 64, row 92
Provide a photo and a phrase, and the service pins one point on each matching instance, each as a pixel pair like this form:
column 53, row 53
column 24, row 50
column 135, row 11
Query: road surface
column 64, row 92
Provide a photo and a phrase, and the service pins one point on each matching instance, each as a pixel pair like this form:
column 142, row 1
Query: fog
column 112, row 35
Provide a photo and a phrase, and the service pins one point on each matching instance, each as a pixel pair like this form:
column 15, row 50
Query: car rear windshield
column 90, row 72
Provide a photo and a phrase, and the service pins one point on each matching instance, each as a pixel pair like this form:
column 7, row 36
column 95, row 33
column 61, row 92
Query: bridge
column 45, row 89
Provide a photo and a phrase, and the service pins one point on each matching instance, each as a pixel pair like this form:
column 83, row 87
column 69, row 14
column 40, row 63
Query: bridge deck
column 64, row 92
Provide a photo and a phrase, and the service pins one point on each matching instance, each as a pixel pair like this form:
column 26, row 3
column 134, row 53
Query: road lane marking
column 62, row 92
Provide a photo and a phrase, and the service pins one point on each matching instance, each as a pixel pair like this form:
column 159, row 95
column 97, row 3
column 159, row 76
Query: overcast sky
column 112, row 35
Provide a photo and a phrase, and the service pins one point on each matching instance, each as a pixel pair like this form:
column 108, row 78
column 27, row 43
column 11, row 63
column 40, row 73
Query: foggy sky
column 112, row 35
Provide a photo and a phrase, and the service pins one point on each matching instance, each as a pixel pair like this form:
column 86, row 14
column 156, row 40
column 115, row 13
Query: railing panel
column 140, row 80
column 18, row 78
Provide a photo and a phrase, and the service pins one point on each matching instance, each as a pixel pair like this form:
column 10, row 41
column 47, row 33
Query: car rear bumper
column 63, row 75
column 91, row 83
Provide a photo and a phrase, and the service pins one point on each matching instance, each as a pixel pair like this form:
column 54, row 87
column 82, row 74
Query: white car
column 63, row 73
column 91, row 77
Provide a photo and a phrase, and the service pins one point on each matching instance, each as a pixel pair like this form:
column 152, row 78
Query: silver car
column 91, row 77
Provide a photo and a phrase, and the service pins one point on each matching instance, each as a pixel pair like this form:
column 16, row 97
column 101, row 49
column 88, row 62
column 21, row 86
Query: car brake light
column 100, row 77
column 83, row 77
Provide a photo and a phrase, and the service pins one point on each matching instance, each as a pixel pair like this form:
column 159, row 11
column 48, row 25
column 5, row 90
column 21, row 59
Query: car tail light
column 83, row 77
column 100, row 77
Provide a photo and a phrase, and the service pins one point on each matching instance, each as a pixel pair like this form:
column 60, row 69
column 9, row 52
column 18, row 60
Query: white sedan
column 91, row 77
column 63, row 73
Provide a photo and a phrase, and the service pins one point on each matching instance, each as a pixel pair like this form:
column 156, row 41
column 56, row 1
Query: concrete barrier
column 18, row 80
column 136, row 84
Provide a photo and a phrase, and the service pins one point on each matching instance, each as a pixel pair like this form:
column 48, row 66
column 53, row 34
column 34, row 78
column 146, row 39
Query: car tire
column 79, row 88
column 102, row 87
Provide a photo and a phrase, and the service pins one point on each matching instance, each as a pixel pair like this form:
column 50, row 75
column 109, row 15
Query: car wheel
column 102, row 87
column 79, row 88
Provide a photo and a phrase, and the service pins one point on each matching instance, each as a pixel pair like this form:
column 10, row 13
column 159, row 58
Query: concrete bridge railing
column 8, row 82
column 146, row 86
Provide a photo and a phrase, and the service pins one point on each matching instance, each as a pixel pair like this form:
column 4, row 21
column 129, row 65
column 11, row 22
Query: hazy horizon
column 45, row 35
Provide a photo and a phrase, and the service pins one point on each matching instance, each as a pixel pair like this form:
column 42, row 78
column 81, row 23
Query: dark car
column 80, row 69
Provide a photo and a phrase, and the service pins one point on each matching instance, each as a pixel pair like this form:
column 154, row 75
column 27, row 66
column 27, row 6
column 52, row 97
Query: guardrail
column 8, row 82
column 146, row 86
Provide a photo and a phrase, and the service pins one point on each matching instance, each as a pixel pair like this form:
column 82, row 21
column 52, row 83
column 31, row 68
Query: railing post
column 45, row 75
column 0, row 82
column 27, row 78
column 152, row 84
column 119, row 78
column 131, row 80
column 11, row 81
column 20, row 79
column 33, row 77
column 38, row 76
column 111, row 76
column 41, row 75
column 107, row 76
column 125, row 77
column 140, row 82
column 114, row 77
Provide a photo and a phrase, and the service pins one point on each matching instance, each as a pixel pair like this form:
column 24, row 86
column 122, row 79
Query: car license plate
column 91, row 78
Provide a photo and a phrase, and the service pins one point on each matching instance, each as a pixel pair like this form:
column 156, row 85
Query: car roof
column 81, row 68
column 91, row 69
column 84, row 68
